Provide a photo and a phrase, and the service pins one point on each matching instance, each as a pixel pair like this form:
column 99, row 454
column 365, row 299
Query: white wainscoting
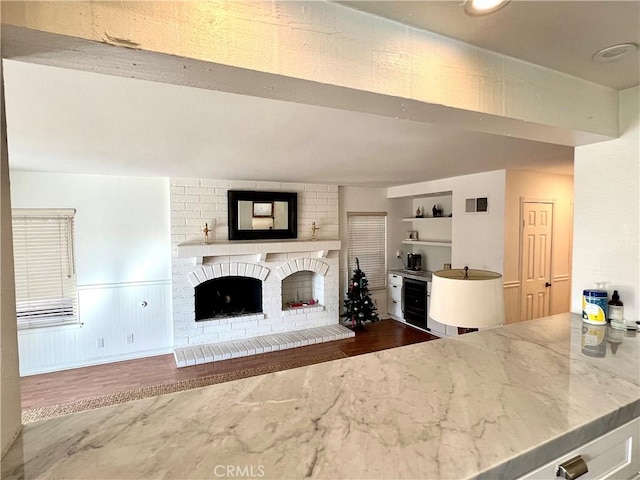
column 110, row 314
column 561, row 294
column 512, row 302
column 560, row 297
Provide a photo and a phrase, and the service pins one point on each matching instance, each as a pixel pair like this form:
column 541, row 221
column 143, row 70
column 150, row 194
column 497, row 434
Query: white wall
column 123, row 258
column 477, row 240
column 607, row 210
column 372, row 199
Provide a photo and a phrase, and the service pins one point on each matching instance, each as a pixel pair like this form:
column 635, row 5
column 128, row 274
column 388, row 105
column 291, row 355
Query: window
column 368, row 242
column 43, row 251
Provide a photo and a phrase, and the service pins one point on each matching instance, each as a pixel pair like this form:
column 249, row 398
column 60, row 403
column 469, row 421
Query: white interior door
column 535, row 256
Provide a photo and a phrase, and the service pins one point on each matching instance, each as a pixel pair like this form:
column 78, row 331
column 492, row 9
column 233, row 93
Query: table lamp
column 467, row 299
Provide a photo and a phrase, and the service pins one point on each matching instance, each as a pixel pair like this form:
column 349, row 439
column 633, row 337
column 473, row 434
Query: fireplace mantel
column 200, row 251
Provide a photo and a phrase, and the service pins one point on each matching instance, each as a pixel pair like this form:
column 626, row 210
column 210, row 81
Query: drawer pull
column 393, row 301
column 394, row 286
column 572, row 468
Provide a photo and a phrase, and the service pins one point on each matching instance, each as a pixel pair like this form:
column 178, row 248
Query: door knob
column 547, row 284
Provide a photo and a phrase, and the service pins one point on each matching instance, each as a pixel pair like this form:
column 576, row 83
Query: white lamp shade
column 473, row 302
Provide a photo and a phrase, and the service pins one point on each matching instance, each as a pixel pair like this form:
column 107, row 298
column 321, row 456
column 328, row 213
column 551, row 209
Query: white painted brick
column 189, row 357
column 217, row 270
column 233, row 269
column 263, row 274
column 198, row 223
column 242, row 185
column 208, row 354
column 225, row 269
column 193, row 279
column 293, row 187
column 214, row 183
column 269, row 186
column 199, row 190
column 210, row 202
column 316, row 201
column 184, row 181
column 199, row 354
column 185, row 198
column 244, row 325
column 273, row 285
column 235, row 349
column 200, row 273
column 208, row 272
column 216, row 329
column 316, row 187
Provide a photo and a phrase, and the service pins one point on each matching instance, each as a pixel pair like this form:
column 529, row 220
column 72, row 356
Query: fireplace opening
column 228, row 297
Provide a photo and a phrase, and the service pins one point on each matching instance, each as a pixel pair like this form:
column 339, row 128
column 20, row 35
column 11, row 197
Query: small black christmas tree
column 358, row 305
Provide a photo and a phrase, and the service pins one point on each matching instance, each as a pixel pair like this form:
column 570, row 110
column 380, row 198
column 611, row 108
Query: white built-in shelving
column 433, row 231
column 428, row 243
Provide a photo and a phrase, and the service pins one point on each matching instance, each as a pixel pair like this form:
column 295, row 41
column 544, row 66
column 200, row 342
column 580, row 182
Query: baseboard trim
column 98, row 361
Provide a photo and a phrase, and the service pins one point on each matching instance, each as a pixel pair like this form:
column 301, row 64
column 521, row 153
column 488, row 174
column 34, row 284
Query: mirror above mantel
column 262, row 215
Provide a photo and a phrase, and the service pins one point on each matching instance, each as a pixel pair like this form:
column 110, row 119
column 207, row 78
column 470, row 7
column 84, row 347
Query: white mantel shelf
column 260, row 249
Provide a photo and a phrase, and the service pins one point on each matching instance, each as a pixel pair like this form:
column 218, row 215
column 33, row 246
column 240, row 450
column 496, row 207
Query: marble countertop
column 424, row 275
column 490, row 404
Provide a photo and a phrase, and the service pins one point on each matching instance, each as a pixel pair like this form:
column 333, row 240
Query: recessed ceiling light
column 483, row 7
column 614, row 52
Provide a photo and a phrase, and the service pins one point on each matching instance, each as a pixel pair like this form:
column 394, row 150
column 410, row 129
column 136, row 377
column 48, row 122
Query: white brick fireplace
column 291, row 272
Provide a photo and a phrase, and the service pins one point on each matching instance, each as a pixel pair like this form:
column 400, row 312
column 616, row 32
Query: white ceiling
column 80, row 122
column 561, row 35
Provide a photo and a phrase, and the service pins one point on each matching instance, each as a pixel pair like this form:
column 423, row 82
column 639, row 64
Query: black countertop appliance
column 414, row 261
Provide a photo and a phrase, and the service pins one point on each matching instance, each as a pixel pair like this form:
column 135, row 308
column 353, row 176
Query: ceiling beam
column 316, row 53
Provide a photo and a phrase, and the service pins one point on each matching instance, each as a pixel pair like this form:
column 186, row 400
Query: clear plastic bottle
column 616, row 311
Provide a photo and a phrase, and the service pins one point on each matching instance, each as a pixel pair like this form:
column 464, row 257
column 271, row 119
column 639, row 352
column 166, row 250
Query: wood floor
column 88, row 382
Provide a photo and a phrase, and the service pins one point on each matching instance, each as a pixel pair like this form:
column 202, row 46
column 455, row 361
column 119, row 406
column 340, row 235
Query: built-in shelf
column 420, row 219
column 261, row 249
column 431, row 243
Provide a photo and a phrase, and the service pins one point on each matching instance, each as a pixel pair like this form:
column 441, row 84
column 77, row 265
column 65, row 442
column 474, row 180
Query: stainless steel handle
column 402, row 298
column 572, row 468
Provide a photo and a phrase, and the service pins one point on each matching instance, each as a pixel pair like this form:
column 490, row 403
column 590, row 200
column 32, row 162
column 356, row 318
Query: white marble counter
column 492, row 404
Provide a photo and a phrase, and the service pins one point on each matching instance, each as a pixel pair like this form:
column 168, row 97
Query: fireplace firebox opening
column 228, row 297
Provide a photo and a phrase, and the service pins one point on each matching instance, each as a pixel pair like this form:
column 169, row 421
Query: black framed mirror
column 262, row 215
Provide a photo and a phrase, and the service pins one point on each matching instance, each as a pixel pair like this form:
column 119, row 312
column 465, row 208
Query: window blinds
column 368, row 242
column 45, row 277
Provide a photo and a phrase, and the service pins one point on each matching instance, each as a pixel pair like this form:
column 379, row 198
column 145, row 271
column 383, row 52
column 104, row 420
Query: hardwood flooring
column 88, row 382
